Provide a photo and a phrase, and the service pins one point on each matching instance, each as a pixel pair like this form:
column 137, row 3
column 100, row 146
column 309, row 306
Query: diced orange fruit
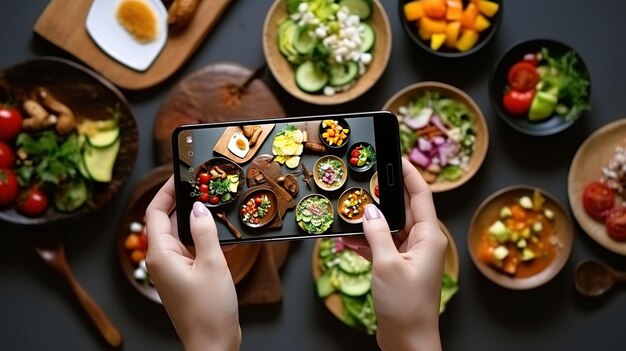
column 413, row 10
column 132, row 242
column 137, row 255
column 488, row 8
column 452, row 34
column 424, row 34
column 435, row 8
column 469, row 16
column 468, row 39
column 481, row 23
column 437, row 40
column 433, row 26
column 455, row 10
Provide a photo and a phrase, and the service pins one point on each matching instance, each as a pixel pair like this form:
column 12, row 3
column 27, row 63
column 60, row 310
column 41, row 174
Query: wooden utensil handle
column 97, row 315
column 232, row 229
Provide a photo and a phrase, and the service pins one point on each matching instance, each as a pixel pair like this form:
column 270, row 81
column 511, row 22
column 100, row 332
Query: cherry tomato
column 376, row 191
column 203, row 197
column 10, row 123
column 354, row 161
column 532, row 59
column 204, row 188
column 32, row 202
column 518, row 103
column 143, row 241
column 258, row 200
column 6, row 156
column 214, row 200
column 615, row 223
column 256, row 220
column 8, row 186
column 204, row 178
column 598, row 199
column 356, row 152
column 523, row 76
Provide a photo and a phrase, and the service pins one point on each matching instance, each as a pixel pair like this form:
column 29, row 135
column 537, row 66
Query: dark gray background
column 37, row 311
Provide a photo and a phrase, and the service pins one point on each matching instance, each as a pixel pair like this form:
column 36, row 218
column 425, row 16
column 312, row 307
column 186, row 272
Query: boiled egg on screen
column 239, row 145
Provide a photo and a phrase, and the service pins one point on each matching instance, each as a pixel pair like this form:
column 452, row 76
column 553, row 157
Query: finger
column 421, row 199
column 204, row 232
column 157, row 216
column 378, row 234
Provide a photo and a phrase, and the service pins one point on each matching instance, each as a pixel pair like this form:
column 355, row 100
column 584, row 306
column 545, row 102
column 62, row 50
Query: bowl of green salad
column 314, row 214
column 327, row 52
column 442, row 132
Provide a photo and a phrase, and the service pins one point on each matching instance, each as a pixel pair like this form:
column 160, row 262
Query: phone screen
column 289, row 178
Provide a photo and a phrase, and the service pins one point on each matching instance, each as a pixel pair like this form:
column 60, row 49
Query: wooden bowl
column 284, row 72
column 344, row 196
column 406, row 95
column 88, row 95
column 335, row 305
column 240, row 259
column 319, row 181
column 269, row 216
column 594, row 153
column 230, row 168
column 489, row 211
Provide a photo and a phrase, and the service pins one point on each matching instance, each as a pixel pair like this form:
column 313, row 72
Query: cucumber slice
column 104, row 138
column 343, row 74
column 368, row 36
column 99, row 162
column 352, row 263
column 82, row 169
column 354, row 285
column 71, row 196
column 286, row 36
column 361, row 8
column 310, row 78
column 305, row 40
column 324, row 285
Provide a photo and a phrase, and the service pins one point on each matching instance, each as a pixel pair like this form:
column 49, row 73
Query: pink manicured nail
column 199, row 210
column 372, row 212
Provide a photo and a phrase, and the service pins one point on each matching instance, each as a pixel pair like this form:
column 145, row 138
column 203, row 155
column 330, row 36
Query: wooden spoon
column 222, row 216
column 594, row 278
column 51, row 251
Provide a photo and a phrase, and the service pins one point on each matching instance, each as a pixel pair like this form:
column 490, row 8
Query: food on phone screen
column 361, row 157
column 138, row 19
column 255, row 209
column 239, row 145
column 521, row 242
column 314, row 214
column 438, row 135
column 218, row 182
column 598, row 199
column 330, row 173
column 288, row 146
column 181, row 12
column 334, row 133
column 351, row 204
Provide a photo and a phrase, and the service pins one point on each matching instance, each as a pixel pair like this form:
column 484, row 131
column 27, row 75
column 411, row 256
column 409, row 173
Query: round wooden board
column 211, row 95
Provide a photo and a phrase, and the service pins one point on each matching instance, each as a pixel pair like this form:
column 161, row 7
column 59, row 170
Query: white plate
column 112, row 38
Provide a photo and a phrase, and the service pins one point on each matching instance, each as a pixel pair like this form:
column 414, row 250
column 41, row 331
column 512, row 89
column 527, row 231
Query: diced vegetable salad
column 438, row 135
column 328, row 42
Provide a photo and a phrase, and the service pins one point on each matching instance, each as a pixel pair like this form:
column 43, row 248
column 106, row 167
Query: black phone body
column 203, row 149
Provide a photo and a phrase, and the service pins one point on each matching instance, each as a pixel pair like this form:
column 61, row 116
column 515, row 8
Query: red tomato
column 518, row 103
column 356, row 152
column 6, row 156
column 214, row 200
column 598, row 198
column 376, row 191
column 32, row 202
column 8, row 186
column 143, row 241
column 354, row 161
column 10, row 123
column 258, row 200
column 204, row 178
column 203, row 197
column 616, row 224
column 523, row 76
column 204, row 188
column 532, row 59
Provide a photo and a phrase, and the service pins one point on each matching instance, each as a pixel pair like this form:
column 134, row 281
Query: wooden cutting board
column 221, row 147
column 63, row 24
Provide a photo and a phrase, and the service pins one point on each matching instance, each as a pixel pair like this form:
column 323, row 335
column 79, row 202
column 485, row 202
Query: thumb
column 204, row 232
column 378, row 234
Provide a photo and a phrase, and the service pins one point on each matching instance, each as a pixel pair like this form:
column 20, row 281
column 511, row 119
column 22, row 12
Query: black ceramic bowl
column 498, row 83
column 412, row 31
column 334, row 147
column 367, row 166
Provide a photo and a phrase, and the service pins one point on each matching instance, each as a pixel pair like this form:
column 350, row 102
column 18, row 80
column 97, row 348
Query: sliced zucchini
column 104, row 139
column 354, row 285
column 361, row 8
column 286, row 36
column 343, row 74
column 352, row 263
column 324, row 285
column 305, row 40
column 99, row 162
column 310, row 78
column 368, row 36
column 82, row 169
column 71, row 196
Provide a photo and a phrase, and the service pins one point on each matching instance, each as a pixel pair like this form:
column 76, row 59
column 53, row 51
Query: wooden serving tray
column 63, row 24
column 221, row 147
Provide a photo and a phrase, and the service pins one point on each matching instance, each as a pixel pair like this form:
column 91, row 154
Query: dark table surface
column 38, row 311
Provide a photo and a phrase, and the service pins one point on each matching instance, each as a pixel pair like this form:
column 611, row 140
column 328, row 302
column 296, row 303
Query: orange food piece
column 452, row 34
column 488, row 8
column 518, row 213
column 433, row 26
column 435, row 8
column 132, row 242
column 413, row 10
column 137, row 255
column 481, row 23
column 437, row 40
column 423, row 33
column 468, row 39
column 139, row 19
column 455, row 10
column 469, row 16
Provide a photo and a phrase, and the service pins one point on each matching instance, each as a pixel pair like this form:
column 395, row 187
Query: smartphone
column 289, row 178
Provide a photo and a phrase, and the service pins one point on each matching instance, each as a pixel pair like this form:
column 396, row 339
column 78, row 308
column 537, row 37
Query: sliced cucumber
column 104, row 139
column 286, row 36
column 361, row 8
column 310, row 78
column 71, row 196
column 354, row 285
column 352, row 263
column 82, row 169
column 305, row 40
column 324, row 285
column 343, row 74
column 368, row 36
column 99, row 162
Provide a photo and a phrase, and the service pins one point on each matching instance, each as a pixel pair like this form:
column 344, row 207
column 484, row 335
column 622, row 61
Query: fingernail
column 372, row 212
column 199, row 210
